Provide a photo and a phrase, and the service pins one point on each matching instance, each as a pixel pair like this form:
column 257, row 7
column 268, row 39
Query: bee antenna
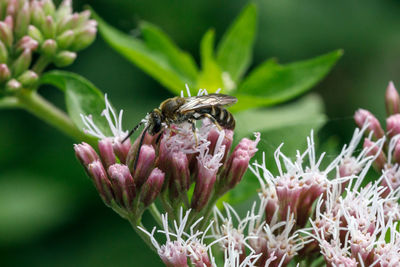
column 131, row 132
column 139, row 147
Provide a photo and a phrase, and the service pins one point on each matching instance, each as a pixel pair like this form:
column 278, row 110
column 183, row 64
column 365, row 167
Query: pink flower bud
column 13, row 85
column 393, row 125
column 37, row 14
column 6, row 35
column 238, row 163
column 380, row 161
column 83, row 38
column 101, row 181
column 22, row 63
column 227, row 142
column 5, row 73
column 85, row 153
column 35, row 34
column 48, row 7
column 179, row 174
column 22, row 20
column 64, row 9
column 26, row 42
column 392, row 100
column 122, row 185
column 49, row 47
column 362, row 116
column 391, row 179
column 152, row 187
column 173, row 254
column 28, row 78
column 64, row 58
column 122, row 150
column 65, row 39
column 205, row 180
column 49, row 28
column 144, row 164
column 106, row 152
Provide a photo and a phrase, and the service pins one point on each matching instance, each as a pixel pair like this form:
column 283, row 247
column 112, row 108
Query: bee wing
column 204, row 101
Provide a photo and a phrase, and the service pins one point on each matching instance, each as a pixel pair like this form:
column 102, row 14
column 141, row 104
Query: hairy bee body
column 178, row 110
column 172, row 112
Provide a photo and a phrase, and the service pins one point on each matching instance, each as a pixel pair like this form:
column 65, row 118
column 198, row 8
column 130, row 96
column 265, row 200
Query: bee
column 178, row 110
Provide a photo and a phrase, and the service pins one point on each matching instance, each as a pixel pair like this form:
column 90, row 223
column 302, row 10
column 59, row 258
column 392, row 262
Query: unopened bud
column 375, row 151
column 101, row 181
column 393, row 125
column 85, row 153
column 65, row 40
column 392, row 100
column 205, row 181
column 67, row 23
column 64, row 9
column 144, row 164
column 48, row 7
column 5, row 73
column 106, row 152
column 22, row 62
column 122, row 150
column 28, row 78
column 6, row 35
column 83, row 38
column 178, row 166
column 35, row 34
column 64, row 58
column 238, row 163
column 22, row 20
column 49, row 28
column 49, row 47
column 396, row 152
column 152, row 187
column 37, row 14
column 26, row 42
column 122, row 185
column 13, row 85
column 227, row 142
column 3, row 53
column 363, row 116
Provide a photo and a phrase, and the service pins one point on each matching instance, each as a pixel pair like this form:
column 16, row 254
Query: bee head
column 155, row 122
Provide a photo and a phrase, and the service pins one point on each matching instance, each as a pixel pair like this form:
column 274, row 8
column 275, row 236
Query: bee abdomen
column 222, row 116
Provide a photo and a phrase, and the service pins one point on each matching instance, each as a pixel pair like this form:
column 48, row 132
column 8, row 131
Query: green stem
column 41, row 108
column 207, row 211
column 41, row 64
column 135, row 223
column 156, row 214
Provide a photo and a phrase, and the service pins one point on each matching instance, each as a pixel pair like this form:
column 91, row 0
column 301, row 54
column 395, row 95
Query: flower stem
column 41, row 108
column 135, row 223
column 41, row 64
column 156, row 214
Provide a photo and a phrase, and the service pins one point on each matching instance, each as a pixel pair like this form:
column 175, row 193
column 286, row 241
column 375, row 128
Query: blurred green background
column 50, row 214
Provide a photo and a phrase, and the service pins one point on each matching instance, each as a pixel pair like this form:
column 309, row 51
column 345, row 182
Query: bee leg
column 213, row 120
column 192, row 122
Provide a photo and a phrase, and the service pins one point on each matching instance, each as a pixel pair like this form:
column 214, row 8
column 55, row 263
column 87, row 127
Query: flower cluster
column 29, row 27
column 311, row 208
column 183, row 168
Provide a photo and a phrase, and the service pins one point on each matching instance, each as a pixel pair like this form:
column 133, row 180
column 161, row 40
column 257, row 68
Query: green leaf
column 235, row 48
column 81, row 97
column 211, row 75
column 289, row 124
column 272, row 83
column 157, row 55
